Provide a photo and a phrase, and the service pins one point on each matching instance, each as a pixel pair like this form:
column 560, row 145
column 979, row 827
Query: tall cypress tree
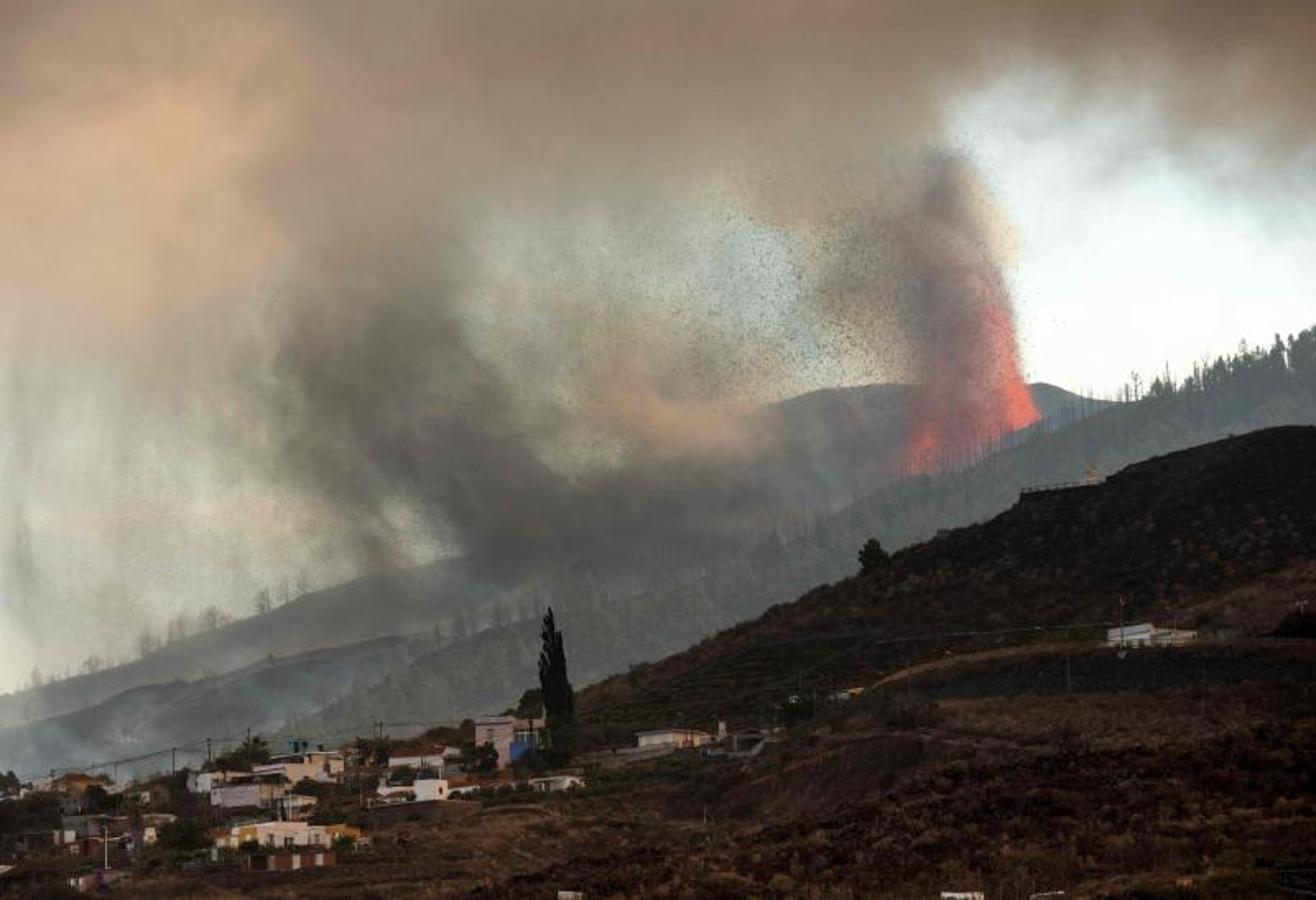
column 559, row 698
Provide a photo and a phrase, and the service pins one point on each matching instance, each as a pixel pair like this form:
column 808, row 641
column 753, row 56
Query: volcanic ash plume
column 971, row 389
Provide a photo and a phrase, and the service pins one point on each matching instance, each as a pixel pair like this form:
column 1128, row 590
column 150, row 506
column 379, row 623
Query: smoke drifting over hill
column 353, row 287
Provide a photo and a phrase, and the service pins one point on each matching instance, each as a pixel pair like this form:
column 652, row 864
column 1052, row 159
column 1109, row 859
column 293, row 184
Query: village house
column 33, row 842
column 77, row 783
column 435, row 760
column 205, row 782
column 72, row 787
column 313, row 765
column 155, row 792
column 673, row 737
column 249, row 790
column 97, row 881
column 280, row 835
column 1148, row 635
column 418, row 790
column 82, row 826
column 751, row 741
column 557, row 783
column 511, row 737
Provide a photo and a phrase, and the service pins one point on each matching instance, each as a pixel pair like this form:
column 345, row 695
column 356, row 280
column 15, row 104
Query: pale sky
column 1127, row 259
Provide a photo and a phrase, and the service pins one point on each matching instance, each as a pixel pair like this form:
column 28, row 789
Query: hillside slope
column 828, row 446
column 620, row 612
column 183, row 714
column 1168, row 535
column 377, row 605
column 612, row 624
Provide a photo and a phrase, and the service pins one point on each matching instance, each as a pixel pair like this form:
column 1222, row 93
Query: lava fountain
column 971, row 390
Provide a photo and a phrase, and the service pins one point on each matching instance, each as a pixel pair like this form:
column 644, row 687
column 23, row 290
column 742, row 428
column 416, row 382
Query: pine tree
column 872, row 557
column 559, row 697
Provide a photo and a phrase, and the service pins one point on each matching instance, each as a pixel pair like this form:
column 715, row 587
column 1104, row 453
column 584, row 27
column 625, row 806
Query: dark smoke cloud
column 259, row 253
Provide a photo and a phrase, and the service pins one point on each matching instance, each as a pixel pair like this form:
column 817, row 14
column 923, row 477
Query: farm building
column 1148, row 635
column 673, row 737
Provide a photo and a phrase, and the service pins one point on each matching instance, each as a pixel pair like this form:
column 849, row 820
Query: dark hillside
column 374, row 606
column 1167, row 535
column 179, row 713
column 836, row 444
column 1120, row 795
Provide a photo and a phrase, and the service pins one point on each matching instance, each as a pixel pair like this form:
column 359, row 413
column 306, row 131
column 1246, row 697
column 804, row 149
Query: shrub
column 184, row 834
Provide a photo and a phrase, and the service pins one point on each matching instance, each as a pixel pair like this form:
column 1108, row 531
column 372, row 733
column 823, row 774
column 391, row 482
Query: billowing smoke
column 311, row 285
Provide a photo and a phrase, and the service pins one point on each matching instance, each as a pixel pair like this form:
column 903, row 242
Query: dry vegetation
column 896, row 795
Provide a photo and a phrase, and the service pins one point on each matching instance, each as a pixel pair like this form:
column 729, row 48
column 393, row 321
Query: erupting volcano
column 971, row 390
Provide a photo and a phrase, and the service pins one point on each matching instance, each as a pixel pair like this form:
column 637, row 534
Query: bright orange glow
column 975, row 392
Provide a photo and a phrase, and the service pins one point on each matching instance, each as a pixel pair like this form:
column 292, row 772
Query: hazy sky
column 1127, row 258
column 303, row 285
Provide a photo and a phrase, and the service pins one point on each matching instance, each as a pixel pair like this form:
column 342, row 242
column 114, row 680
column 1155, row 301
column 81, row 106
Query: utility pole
column 1122, row 637
column 173, row 760
column 207, row 749
column 105, row 840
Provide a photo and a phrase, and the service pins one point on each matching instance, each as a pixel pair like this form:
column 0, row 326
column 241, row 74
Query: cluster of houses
column 268, row 809
column 267, row 813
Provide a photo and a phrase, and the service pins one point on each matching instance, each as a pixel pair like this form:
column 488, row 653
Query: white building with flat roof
column 673, row 737
column 1148, row 635
column 549, row 783
column 420, row 790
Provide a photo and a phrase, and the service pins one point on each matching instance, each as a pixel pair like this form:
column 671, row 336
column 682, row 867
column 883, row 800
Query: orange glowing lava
column 972, row 391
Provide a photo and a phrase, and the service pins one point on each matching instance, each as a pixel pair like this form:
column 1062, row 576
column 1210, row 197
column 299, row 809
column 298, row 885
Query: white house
column 254, row 789
column 205, row 782
column 421, row 789
column 276, row 834
column 673, row 737
column 557, row 782
column 434, row 762
column 1148, row 635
